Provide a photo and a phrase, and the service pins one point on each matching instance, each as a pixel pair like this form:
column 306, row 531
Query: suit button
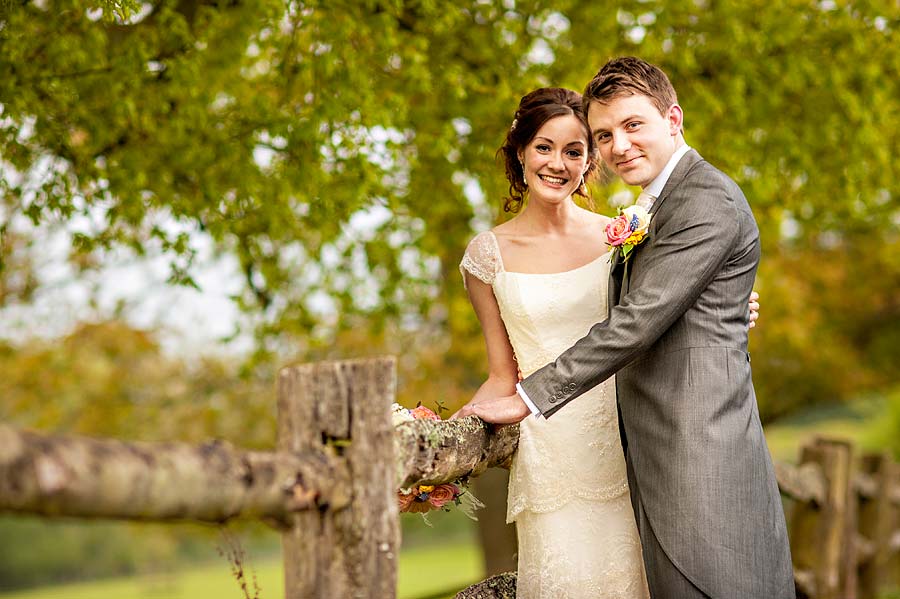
column 553, row 399
column 571, row 386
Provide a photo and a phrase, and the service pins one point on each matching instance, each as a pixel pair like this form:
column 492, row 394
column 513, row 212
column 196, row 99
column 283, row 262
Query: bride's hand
column 493, row 388
column 469, row 408
column 466, row 410
column 754, row 308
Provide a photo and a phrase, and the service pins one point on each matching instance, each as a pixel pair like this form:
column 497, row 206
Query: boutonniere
column 628, row 230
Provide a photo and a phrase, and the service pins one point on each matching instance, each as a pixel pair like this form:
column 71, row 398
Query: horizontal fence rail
column 330, row 487
column 57, row 475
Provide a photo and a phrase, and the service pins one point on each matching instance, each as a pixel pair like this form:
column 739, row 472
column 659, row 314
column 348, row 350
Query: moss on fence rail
column 434, row 452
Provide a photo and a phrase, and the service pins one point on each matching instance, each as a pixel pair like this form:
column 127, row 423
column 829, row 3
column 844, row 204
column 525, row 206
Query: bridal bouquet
column 628, row 229
column 422, row 499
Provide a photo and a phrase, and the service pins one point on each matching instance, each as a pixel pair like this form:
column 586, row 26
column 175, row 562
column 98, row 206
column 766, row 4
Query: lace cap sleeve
column 482, row 258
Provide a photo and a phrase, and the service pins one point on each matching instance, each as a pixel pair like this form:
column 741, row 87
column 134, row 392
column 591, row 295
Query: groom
column 702, row 483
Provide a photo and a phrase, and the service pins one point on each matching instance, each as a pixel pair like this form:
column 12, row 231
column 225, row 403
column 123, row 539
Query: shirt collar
column 656, row 186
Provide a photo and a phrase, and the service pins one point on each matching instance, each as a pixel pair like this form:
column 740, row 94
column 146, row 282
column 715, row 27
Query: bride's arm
column 503, row 372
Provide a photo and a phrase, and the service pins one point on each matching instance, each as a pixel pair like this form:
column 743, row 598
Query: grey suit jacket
column 676, row 339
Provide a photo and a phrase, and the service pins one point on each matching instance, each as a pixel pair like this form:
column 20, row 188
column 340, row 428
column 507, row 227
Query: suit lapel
column 678, row 174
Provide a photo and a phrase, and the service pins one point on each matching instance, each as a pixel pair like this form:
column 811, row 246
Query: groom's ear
column 675, row 119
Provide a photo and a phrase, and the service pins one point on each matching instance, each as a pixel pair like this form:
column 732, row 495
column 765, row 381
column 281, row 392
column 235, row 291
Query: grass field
column 852, row 422
column 423, row 573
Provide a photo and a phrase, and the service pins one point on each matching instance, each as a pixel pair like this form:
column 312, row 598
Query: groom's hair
column 627, row 76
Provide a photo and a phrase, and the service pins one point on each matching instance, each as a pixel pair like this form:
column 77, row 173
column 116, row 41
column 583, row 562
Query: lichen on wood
column 435, row 452
column 501, row 586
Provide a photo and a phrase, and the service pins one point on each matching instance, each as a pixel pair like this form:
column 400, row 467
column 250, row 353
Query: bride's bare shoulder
column 507, row 231
column 595, row 219
column 506, row 227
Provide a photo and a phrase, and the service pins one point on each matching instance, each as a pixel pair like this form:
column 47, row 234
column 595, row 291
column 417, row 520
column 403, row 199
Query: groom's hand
column 503, row 410
column 754, row 308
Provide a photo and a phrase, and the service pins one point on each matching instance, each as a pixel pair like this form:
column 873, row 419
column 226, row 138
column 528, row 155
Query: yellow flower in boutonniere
column 628, row 229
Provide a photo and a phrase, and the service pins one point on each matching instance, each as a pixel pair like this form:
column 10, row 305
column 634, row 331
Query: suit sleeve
column 689, row 249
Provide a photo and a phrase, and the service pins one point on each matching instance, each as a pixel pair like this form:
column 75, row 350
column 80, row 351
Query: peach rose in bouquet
column 443, row 494
column 423, row 413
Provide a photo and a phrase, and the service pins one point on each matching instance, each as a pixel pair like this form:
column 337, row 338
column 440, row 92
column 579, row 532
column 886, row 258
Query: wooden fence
column 844, row 525
column 330, row 487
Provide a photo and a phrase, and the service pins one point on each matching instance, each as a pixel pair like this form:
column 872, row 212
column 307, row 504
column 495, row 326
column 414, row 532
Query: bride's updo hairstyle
column 535, row 109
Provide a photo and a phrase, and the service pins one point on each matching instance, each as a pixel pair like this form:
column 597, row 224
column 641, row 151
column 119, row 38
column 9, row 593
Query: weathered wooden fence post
column 822, row 535
column 876, row 523
column 894, row 494
column 345, row 407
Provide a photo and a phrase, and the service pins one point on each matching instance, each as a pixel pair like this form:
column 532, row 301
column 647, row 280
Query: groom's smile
column 627, row 163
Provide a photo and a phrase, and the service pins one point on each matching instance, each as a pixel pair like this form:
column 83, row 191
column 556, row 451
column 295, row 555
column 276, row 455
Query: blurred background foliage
column 342, row 154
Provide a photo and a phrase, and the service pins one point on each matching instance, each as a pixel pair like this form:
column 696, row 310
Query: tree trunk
column 498, row 539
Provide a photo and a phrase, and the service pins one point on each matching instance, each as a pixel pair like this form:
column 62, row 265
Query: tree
column 343, row 152
column 275, row 128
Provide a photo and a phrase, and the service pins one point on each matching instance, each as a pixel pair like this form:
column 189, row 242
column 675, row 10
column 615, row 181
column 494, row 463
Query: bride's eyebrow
column 548, row 140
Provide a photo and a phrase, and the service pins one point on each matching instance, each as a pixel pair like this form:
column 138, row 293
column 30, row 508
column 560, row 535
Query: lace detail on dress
column 482, row 258
column 576, row 454
column 585, row 550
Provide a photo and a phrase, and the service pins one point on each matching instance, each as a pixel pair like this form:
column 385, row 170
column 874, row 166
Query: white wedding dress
column 568, row 489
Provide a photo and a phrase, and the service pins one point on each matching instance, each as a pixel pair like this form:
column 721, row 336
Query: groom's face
column 634, row 139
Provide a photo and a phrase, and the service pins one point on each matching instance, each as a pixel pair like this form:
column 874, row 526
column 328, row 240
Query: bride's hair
column 535, row 109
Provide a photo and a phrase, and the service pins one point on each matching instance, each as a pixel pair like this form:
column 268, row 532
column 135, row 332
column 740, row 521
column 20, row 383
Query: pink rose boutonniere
column 628, row 230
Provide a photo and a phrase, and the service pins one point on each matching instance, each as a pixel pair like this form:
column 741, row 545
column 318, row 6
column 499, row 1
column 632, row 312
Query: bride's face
column 555, row 159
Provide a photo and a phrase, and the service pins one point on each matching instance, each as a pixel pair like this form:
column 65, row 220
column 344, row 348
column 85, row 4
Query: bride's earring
column 584, row 181
column 524, row 178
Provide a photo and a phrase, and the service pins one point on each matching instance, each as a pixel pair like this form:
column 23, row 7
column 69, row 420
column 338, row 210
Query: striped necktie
column 645, row 200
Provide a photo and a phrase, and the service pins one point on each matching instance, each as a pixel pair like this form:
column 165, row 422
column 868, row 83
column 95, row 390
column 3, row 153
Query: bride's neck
column 550, row 218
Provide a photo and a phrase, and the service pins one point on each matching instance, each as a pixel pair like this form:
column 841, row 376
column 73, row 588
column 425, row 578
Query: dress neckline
column 539, row 274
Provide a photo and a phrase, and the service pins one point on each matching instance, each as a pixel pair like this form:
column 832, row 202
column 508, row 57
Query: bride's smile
column 555, row 160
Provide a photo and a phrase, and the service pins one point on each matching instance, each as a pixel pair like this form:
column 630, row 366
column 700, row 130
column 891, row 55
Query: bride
column 538, row 282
